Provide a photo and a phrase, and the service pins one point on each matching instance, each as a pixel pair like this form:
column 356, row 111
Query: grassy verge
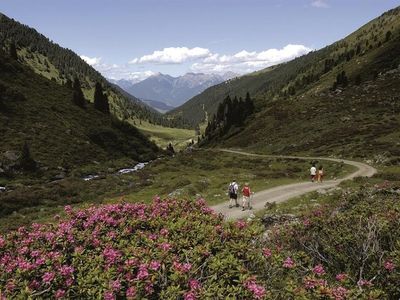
column 162, row 136
column 305, row 204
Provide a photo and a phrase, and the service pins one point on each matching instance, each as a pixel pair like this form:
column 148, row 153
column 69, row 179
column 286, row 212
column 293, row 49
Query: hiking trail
column 285, row 192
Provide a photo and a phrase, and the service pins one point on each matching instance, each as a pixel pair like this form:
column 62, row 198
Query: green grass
column 207, row 173
column 162, row 136
column 203, row 173
column 306, row 203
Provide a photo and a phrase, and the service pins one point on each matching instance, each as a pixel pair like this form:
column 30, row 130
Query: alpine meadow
column 200, row 150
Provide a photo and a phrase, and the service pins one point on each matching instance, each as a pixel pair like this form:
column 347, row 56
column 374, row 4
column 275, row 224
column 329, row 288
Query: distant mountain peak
column 173, row 91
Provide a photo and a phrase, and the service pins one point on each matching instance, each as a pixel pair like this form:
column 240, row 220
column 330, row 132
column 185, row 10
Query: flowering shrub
column 169, row 249
column 180, row 249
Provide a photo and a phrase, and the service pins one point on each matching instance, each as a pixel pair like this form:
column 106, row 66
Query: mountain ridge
column 172, row 91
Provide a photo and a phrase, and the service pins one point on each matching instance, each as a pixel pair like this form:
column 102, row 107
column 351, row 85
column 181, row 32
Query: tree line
column 230, row 113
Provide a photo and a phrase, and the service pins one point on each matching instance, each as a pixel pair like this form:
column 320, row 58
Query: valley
column 118, row 189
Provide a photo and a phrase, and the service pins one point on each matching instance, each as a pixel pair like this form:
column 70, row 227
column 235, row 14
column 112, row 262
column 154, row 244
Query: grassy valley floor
column 200, row 173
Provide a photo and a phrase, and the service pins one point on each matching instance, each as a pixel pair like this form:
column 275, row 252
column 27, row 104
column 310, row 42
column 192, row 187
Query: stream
column 136, row 168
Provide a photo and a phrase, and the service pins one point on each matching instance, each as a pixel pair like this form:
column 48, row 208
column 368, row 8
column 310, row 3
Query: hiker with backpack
column 233, row 191
column 313, row 172
column 246, row 192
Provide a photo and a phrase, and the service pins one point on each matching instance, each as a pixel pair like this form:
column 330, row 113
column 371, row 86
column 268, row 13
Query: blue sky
column 120, row 37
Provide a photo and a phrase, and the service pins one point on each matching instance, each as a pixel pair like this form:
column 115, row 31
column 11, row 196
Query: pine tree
column 101, row 100
column 26, row 161
column 170, row 148
column 13, row 51
column 77, row 96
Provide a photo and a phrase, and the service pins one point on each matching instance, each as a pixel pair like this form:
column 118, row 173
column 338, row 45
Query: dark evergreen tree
column 77, row 96
column 26, row 162
column 170, row 148
column 100, row 99
column 69, row 84
column 13, row 51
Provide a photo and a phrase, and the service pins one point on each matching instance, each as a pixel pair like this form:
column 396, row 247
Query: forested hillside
column 62, row 65
column 343, row 99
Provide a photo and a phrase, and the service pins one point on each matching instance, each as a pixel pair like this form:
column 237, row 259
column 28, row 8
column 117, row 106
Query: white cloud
column 172, row 55
column 91, row 60
column 319, row 4
column 139, row 76
column 245, row 61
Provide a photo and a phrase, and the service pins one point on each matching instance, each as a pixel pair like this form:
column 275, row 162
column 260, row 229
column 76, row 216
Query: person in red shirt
column 246, row 196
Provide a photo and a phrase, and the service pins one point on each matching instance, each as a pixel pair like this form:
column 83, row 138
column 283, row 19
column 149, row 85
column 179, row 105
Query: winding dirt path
column 285, row 192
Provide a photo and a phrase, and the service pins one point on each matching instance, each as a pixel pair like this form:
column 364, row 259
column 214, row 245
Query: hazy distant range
column 164, row 92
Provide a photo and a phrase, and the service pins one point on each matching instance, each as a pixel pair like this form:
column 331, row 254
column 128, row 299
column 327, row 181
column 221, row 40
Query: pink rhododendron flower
column 154, row 265
column 69, row 282
column 340, row 293
column 240, row 224
column 164, row 232
column 288, row 263
column 183, row 268
column 111, row 255
column 190, row 296
column 60, row 294
column 341, row 277
column 319, row 270
column 257, row 290
column 306, row 222
column 10, row 286
column 2, row 242
column 143, row 272
column 34, row 284
column 115, row 285
column 364, row 282
column 389, row 265
column 66, row 270
column 131, row 292
column 149, row 288
column 165, row 246
column 194, row 284
column 48, row 277
column 267, row 252
column 108, row 295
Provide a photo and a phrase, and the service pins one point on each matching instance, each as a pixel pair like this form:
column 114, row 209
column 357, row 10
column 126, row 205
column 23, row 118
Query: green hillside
column 64, row 139
column 362, row 55
column 63, row 65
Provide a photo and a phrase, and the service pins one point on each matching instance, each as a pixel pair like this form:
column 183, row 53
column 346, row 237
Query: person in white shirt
column 233, row 193
column 313, row 173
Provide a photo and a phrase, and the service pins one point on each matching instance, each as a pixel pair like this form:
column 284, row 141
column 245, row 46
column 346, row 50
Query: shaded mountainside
column 40, row 112
column 63, row 65
column 174, row 91
column 362, row 55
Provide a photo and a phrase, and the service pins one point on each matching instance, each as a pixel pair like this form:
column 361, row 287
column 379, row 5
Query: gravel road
column 286, row 192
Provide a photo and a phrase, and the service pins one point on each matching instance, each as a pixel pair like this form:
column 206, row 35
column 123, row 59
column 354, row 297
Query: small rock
column 10, row 155
column 59, row 176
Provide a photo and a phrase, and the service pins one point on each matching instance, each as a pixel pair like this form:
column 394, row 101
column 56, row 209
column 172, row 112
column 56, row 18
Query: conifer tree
column 78, row 97
column 100, row 99
column 26, row 161
column 170, row 148
column 13, row 51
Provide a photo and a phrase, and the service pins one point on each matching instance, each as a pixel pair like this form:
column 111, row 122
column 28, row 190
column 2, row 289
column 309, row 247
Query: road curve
column 285, row 192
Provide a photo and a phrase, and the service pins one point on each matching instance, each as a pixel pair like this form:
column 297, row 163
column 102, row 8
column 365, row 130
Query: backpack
column 232, row 189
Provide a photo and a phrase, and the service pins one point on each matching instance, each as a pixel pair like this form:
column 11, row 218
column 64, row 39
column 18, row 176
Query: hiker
column 233, row 191
column 246, row 196
column 320, row 174
column 313, row 172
